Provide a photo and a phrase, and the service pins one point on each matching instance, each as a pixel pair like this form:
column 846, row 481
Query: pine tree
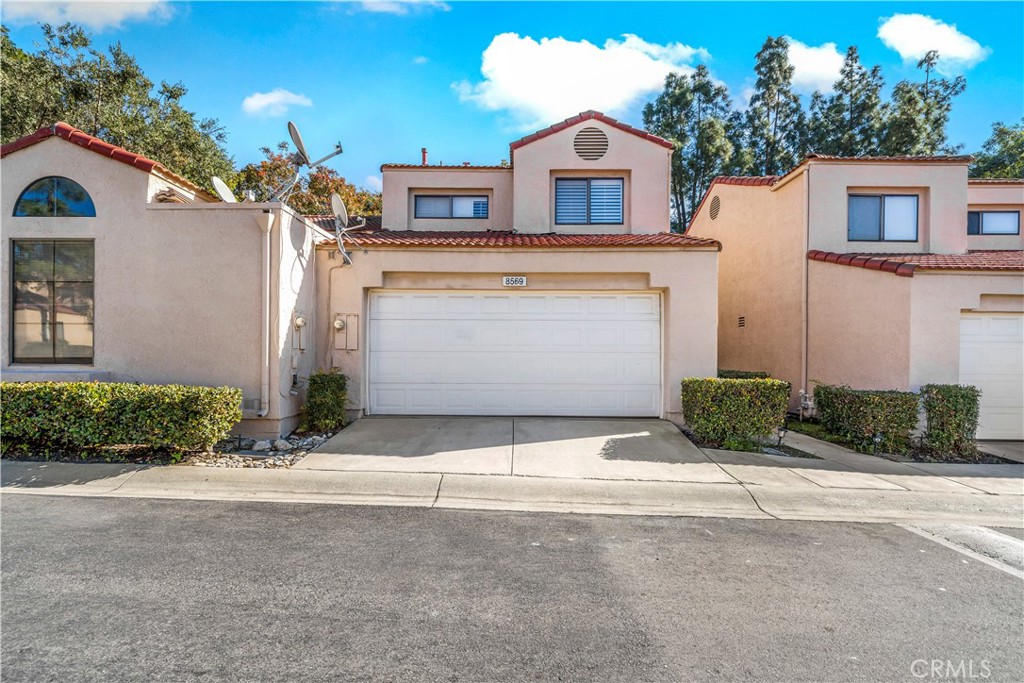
column 919, row 112
column 775, row 120
column 1002, row 156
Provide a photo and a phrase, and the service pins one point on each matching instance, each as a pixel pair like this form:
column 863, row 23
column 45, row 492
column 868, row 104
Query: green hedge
column 951, row 412
column 858, row 415
column 742, row 374
column 325, row 401
column 731, row 411
column 60, row 416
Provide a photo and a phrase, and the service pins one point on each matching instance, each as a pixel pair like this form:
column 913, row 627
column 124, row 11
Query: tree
column 693, row 112
column 919, row 112
column 107, row 95
column 312, row 192
column 775, row 120
column 1002, row 155
column 848, row 122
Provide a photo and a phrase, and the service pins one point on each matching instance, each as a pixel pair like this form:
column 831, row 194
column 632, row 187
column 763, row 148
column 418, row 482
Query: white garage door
column 462, row 353
column 992, row 359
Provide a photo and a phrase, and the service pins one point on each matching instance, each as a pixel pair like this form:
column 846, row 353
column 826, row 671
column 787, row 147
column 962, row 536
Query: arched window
column 54, row 196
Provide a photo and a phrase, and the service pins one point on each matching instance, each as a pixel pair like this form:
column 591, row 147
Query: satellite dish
column 223, row 191
column 297, row 139
column 340, row 212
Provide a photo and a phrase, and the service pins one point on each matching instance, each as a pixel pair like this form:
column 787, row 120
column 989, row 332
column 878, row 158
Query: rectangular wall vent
column 742, row 321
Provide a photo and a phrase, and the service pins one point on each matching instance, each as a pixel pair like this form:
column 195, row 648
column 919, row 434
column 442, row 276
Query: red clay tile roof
column 905, row 264
column 94, row 144
column 589, row 115
column 995, row 181
column 326, row 221
column 927, row 159
column 502, row 239
column 446, row 167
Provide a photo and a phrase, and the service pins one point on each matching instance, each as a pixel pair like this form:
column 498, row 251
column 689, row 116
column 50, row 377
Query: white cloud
column 402, row 7
column 912, row 35
column 373, row 183
column 814, row 68
column 274, row 103
column 540, row 82
column 95, row 14
column 420, row 60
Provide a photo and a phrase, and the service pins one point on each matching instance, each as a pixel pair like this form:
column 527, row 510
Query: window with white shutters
column 588, row 201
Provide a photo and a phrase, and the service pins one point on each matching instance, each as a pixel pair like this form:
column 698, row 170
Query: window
column 53, row 301
column 993, row 222
column 450, row 206
column 54, row 196
column 882, row 218
column 585, row 201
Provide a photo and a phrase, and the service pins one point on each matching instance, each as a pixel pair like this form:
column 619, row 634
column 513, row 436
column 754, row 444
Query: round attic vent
column 591, row 143
column 716, row 206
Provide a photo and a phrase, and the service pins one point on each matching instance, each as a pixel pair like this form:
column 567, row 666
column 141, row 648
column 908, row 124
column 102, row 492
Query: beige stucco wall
column 178, row 295
column 687, row 280
column 760, row 276
column 942, row 204
column 642, row 164
column 992, row 197
column 859, row 327
column 401, row 186
column 938, row 299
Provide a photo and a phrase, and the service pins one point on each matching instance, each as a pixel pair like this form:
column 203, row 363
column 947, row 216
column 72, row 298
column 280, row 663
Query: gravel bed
column 277, row 454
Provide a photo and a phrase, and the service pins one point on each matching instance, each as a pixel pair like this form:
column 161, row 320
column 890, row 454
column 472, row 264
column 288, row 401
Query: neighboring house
column 550, row 286
column 880, row 273
column 116, row 269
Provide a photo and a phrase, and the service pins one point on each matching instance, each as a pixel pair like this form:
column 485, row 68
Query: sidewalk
column 842, row 486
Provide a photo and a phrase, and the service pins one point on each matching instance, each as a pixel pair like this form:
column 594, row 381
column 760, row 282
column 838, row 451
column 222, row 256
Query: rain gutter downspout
column 804, row 380
column 266, row 223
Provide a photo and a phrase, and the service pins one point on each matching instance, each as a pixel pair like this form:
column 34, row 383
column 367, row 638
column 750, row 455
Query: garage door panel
column 528, row 354
column 992, row 359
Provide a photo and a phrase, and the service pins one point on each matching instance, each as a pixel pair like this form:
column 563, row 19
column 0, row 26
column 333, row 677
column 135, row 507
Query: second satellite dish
column 293, row 131
column 340, row 212
column 223, row 191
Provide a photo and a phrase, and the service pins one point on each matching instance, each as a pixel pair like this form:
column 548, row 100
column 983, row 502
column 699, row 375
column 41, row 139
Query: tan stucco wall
column 942, row 204
column 686, row 279
column 938, row 299
column 859, row 327
column 991, row 197
column 401, row 185
column 642, row 164
column 760, row 276
column 177, row 287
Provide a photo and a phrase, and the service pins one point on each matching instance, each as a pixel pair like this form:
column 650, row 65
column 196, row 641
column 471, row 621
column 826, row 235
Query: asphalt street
column 103, row 589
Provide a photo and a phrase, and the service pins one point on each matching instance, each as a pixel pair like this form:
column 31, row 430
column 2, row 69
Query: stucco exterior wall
column 643, row 165
column 859, row 327
column 686, row 279
column 938, row 299
column 760, row 276
column 178, row 295
column 992, row 197
column 401, row 185
column 942, row 204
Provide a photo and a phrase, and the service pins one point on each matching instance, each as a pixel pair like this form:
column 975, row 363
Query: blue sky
column 465, row 78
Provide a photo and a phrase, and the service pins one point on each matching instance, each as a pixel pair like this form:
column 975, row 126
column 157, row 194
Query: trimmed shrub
column 61, row 416
column 858, row 415
column 951, row 413
column 734, row 411
column 742, row 374
column 325, row 401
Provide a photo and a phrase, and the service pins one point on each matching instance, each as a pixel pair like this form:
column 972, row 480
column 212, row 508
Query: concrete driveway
column 578, row 448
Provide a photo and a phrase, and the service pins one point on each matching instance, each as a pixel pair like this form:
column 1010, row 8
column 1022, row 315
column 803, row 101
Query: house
column 117, row 269
column 548, row 286
column 880, row 273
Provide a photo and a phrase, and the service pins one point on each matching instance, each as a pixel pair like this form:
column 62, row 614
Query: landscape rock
column 262, row 446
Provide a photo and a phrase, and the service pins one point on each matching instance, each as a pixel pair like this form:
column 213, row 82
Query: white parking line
column 997, row 550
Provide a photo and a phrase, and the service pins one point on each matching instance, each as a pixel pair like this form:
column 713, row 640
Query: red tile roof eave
column 93, row 144
column 462, row 240
column 588, row 116
column 905, row 265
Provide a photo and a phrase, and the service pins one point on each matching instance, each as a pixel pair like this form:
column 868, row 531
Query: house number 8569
column 514, row 281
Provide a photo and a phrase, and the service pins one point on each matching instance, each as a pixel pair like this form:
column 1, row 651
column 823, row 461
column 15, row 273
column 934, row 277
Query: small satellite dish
column 340, row 212
column 223, row 191
column 297, row 139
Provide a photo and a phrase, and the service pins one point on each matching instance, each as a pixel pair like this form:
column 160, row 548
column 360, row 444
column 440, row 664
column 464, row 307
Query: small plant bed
column 260, row 454
column 790, row 451
column 768, row 447
column 916, row 453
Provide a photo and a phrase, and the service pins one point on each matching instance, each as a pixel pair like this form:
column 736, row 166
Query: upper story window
column 54, row 196
column 993, row 222
column 52, row 315
column 450, row 206
column 587, row 201
column 882, row 218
